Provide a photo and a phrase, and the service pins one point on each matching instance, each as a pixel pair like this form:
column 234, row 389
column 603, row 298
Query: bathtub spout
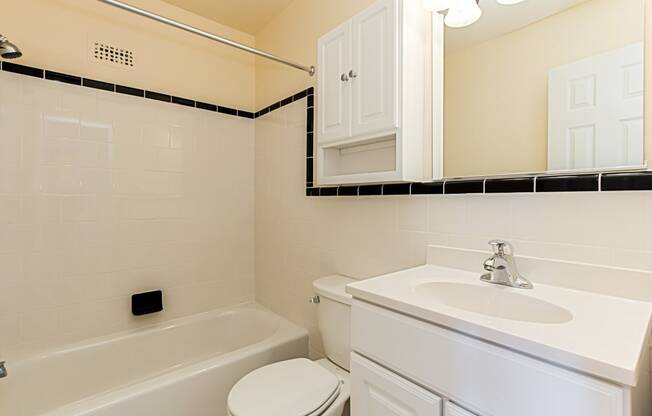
column 3, row 370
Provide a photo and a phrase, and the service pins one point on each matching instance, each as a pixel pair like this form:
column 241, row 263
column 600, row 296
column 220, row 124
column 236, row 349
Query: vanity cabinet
column 396, row 353
column 374, row 95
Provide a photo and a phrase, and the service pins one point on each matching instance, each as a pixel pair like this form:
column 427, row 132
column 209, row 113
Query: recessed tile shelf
column 598, row 182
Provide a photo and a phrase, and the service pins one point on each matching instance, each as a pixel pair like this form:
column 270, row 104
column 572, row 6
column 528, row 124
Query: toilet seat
column 298, row 387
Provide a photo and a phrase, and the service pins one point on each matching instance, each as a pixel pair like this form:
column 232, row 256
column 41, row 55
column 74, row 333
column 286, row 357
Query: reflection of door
column 595, row 110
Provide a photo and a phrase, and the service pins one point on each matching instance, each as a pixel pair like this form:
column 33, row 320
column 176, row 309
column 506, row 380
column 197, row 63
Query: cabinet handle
column 352, row 74
column 344, row 78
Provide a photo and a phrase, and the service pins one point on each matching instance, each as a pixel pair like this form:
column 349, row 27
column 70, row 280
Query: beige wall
column 56, row 34
column 496, row 92
column 104, row 195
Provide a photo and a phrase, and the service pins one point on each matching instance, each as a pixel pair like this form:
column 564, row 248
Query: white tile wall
column 299, row 239
column 103, row 195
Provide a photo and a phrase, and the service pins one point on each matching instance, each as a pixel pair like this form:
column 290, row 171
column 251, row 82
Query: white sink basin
column 495, row 301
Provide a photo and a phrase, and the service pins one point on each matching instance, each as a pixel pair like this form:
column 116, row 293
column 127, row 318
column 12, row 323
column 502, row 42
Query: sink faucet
column 502, row 267
column 3, row 370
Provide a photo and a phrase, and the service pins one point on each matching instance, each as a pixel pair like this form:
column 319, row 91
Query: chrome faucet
column 3, row 370
column 502, row 267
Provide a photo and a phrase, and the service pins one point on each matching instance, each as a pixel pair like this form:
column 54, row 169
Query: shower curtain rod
column 216, row 38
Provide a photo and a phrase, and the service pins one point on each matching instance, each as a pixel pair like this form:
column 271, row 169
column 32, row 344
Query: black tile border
column 23, row 70
column 98, row 85
column 135, row 92
column 633, row 181
column 65, row 78
column 397, row 189
column 428, row 188
column 595, row 182
column 132, row 91
column 183, row 101
column 509, row 185
column 470, row 186
column 568, row 183
column 157, row 96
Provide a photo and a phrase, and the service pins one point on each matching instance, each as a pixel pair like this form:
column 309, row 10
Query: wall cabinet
column 374, row 118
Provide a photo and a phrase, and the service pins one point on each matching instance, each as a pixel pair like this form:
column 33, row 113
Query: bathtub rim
column 32, row 353
column 286, row 332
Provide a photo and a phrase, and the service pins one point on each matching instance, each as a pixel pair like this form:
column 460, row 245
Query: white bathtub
column 184, row 367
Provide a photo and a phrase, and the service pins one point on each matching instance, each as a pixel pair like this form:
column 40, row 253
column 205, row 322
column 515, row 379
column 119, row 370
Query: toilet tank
column 334, row 318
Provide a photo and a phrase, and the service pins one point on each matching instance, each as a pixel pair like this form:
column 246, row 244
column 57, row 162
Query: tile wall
column 103, row 195
column 299, row 239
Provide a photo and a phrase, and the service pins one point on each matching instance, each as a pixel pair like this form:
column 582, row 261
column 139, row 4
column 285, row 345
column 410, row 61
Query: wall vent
column 114, row 55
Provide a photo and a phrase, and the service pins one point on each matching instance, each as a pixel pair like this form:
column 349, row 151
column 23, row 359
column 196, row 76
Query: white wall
column 104, row 195
column 299, row 239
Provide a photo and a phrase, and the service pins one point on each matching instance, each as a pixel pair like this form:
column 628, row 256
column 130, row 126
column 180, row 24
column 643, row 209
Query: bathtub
column 184, row 367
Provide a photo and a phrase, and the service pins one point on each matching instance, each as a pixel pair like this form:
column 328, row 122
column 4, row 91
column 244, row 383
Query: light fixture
column 460, row 13
column 463, row 13
column 437, row 5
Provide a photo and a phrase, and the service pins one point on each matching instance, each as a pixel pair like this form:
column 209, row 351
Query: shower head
column 8, row 50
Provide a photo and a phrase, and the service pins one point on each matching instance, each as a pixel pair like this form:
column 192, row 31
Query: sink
column 495, row 301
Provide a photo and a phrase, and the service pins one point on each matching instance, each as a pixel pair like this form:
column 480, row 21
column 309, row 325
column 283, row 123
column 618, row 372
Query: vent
column 110, row 54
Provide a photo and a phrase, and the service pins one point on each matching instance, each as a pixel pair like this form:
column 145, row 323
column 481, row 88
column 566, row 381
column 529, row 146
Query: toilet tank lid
column 333, row 287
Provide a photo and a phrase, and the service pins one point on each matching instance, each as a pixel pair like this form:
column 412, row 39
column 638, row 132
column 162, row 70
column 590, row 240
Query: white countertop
column 605, row 338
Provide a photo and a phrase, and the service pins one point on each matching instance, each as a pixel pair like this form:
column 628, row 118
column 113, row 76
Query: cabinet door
column 451, row 410
column 374, row 78
column 376, row 391
column 334, row 95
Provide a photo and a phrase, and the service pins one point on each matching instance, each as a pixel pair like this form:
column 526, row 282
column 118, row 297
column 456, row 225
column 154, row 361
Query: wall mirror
column 545, row 86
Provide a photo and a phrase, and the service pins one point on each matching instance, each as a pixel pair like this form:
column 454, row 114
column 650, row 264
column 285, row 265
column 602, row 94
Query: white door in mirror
column 596, row 112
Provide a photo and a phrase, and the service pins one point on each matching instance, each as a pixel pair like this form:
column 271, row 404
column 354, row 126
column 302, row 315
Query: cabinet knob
column 352, row 74
column 344, row 78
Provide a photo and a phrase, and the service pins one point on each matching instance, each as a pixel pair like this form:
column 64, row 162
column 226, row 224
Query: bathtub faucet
column 3, row 370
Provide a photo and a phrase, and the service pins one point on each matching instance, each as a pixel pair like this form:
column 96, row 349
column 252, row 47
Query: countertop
column 606, row 336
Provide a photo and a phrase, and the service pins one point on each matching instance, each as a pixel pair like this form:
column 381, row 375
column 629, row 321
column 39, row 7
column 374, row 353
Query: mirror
column 545, row 86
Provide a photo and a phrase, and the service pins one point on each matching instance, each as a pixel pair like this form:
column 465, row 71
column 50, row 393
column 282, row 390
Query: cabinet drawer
column 482, row 377
column 376, row 391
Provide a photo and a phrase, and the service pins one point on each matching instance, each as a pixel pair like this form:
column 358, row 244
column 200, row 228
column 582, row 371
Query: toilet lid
column 296, row 387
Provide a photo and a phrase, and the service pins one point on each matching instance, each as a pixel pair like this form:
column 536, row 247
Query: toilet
column 301, row 387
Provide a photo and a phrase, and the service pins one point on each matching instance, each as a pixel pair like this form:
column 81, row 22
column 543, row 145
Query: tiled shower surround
column 103, row 195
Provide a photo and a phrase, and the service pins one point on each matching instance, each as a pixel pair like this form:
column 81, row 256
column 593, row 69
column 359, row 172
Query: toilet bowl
column 302, row 387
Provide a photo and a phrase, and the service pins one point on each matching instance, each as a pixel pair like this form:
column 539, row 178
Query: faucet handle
column 498, row 247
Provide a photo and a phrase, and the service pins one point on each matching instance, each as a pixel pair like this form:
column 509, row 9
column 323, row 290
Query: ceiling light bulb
column 437, row 5
column 463, row 13
column 509, row 2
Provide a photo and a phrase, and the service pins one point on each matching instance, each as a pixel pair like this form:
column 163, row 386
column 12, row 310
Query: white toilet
column 302, row 387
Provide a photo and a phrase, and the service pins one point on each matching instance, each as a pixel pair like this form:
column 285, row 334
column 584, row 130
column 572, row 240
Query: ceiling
column 248, row 16
column 499, row 20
